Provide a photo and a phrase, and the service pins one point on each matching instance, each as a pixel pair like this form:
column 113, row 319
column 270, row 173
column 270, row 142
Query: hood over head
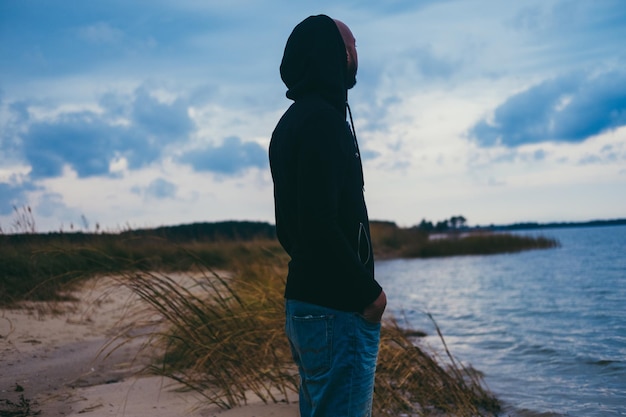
column 315, row 61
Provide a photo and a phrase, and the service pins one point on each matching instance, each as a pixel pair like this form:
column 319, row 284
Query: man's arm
column 321, row 172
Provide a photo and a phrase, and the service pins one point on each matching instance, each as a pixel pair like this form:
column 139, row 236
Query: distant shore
column 554, row 225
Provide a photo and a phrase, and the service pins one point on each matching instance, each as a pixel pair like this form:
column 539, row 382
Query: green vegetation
column 390, row 241
column 22, row 408
column 224, row 337
column 45, row 267
column 479, row 244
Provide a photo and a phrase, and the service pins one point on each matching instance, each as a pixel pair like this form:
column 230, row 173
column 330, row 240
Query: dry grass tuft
column 411, row 381
column 224, row 338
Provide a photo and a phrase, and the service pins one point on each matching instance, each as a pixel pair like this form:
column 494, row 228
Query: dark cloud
column 566, row 109
column 161, row 188
column 80, row 140
column 168, row 120
column 13, row 194
column 231, row 157
column 87, row 141
column 74, row 37
column 12, row 117
column 136, row 127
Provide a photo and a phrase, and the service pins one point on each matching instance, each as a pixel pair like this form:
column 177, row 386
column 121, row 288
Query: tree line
column 453, row 223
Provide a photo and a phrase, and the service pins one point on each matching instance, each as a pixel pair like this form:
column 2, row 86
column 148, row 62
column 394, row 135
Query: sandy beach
column 64, row 364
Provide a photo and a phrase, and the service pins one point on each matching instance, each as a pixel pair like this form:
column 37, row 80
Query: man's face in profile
column 352, row 57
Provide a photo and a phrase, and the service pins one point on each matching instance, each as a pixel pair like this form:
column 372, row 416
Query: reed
column 391, row 241
column 479, row 244
column 223, row 337
column 47, row 268
column 414, row 380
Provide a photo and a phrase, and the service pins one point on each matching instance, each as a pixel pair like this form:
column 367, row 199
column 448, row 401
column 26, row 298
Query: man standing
column 333, row 303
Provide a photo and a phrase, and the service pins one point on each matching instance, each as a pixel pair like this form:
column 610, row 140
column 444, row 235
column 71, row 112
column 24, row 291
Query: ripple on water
column 547, row 328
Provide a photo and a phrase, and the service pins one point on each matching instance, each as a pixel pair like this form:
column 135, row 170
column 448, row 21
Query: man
column 333, row 304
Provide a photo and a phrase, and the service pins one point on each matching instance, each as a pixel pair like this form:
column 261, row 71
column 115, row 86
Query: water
column 546, row 327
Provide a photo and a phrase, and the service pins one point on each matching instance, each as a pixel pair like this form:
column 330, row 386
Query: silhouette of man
column 333, row 303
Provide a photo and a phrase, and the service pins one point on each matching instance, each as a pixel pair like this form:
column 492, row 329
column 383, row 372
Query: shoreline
column 65, row 363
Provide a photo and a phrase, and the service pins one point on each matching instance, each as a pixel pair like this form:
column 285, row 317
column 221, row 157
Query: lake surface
column 546, row 327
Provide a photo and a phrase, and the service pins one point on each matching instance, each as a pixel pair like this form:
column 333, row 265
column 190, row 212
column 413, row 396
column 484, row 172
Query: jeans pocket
column 369, row 324
column 367, row 341
column 311, row 340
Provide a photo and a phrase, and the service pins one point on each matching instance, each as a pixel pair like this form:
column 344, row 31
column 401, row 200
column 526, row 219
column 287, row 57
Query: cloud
column 50, row 204
column 231, row 157
column 158, row 189
column 368, row 154
column 13, row 194
column 430, row 65
column 87, row 141
column 571, row 31
column 161, row 119
column 571, row 17
column 609, row 154
column 161, row 188
column 81, row 140
column 566, row 109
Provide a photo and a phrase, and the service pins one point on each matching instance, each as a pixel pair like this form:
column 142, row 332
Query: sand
column 63, row 364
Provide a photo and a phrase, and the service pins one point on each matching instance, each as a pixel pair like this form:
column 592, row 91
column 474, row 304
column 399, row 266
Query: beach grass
column 478, row 244
column 391, row 241
column 223, row 337
column 46, row 267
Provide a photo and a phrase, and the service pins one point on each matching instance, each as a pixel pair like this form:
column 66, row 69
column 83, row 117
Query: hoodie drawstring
column 356, row 144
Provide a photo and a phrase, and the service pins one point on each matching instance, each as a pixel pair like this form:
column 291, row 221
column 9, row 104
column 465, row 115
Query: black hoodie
column 321, row 217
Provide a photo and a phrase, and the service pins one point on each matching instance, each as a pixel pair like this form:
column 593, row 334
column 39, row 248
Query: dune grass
column 479, row 244
column 45, row 267
column 391, row 241
column 223, row 337
column 414, row 380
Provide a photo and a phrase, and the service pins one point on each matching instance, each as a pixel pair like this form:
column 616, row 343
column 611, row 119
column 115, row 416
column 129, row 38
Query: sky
column 130, row 114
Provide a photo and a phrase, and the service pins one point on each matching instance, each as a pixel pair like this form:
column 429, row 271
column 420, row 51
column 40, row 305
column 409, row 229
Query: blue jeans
column 336, row 355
